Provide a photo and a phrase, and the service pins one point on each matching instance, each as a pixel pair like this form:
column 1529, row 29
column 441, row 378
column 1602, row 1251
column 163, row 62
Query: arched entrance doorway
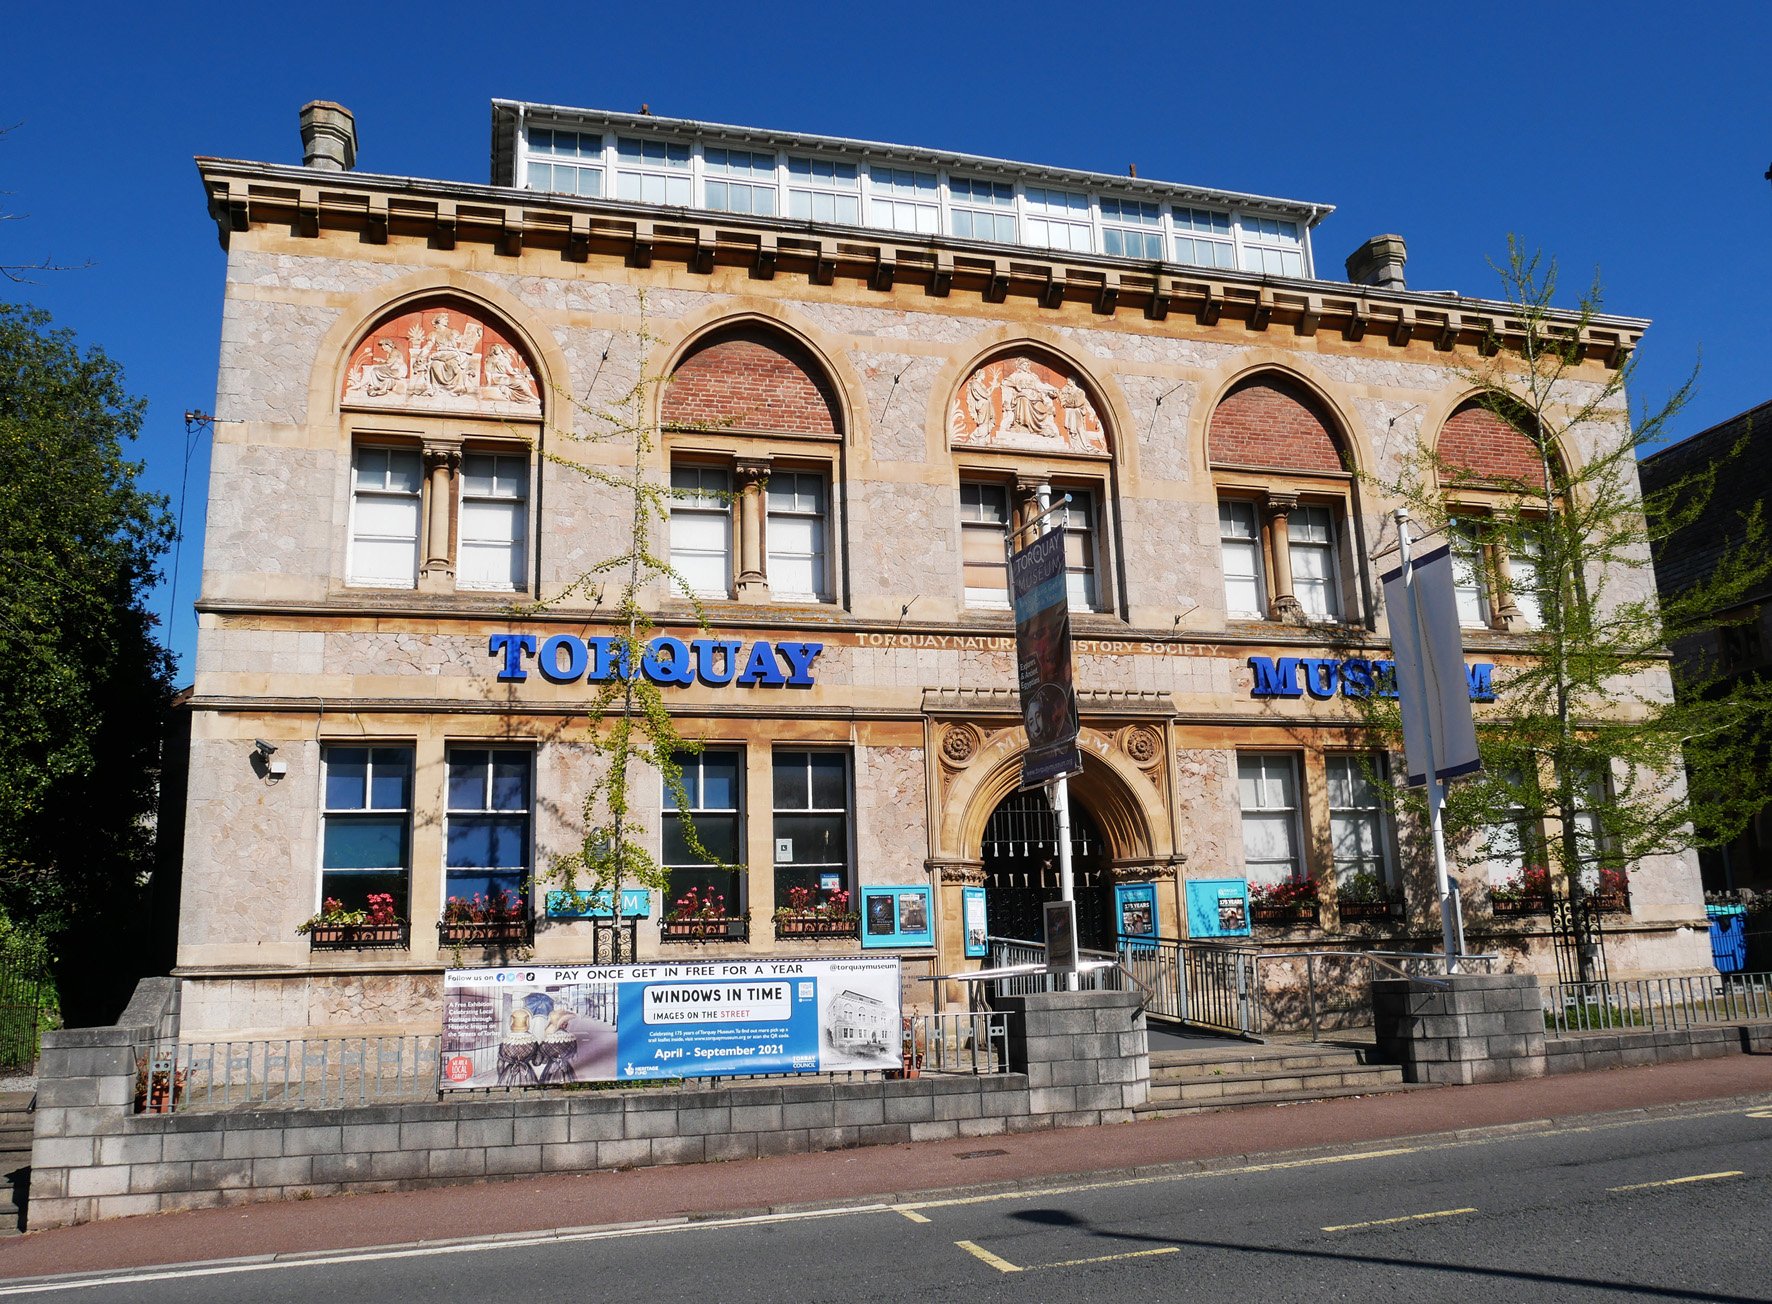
column 1020, row 856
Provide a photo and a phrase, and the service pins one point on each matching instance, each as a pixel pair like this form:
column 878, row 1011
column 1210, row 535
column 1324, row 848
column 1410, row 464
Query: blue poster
column 1135, row 910
column 972, row 919
column 548, row 1026
column 897, row 917
column 636, row 902
column 1218, row 907
column 696, row 1029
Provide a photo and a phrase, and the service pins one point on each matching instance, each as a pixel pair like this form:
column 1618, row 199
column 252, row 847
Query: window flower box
column 704, row 929
column 358, row 937
column 1287, row 904
column 483, row 932
column 793, row 925
column 1352, row 910
column 1289, row 915
column 1524, row 904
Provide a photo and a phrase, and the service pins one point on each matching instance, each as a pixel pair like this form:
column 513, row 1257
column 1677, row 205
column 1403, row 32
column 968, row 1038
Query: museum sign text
column 1324, row 677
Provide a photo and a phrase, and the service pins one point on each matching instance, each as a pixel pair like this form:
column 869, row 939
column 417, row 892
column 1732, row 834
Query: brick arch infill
column 1002, row 341
column 1443, row 406
column 1217, row 385
column 337, row 345
column 1120, row 798
column 673, row 342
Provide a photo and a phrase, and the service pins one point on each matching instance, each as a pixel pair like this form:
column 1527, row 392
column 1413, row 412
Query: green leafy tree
column 1589, row 767
column 633, row 733
column 87, row 684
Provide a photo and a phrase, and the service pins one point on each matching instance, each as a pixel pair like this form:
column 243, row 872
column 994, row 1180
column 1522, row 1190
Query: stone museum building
column 869, row 359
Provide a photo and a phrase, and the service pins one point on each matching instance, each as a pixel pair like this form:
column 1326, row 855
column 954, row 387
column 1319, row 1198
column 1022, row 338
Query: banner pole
column 1058, row 791
column 1436, row 791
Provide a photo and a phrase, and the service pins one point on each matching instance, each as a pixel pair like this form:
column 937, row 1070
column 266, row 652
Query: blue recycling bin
column 1728, row 937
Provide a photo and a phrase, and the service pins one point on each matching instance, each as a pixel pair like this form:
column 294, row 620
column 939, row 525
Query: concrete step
column 1175, row 1108
column 1278, row 1082
column 1195, row 1065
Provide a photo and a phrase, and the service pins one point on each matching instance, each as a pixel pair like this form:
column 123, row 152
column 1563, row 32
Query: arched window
column 1485, row 462
column 442, row 408
column 1022, row 422
column 754, row 431
column 1284, row 481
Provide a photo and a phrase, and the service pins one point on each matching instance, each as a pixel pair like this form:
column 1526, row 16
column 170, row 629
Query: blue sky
column 1629, row 138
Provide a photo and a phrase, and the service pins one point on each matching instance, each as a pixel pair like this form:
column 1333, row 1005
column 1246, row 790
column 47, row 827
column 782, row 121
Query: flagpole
column 1450, row 929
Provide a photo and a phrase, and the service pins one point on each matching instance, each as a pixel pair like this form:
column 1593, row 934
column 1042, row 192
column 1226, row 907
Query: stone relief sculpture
column 1022, row 403
column 441, row 358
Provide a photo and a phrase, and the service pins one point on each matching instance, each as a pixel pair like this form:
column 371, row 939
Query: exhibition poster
column 1043, row 660
column 546, row 1025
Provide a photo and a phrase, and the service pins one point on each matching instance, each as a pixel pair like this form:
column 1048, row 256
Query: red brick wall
column 1273, row 422
column 1477, row 447
column 752, row 379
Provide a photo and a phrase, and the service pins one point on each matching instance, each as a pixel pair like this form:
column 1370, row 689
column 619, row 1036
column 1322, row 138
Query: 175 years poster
column 545, row 1025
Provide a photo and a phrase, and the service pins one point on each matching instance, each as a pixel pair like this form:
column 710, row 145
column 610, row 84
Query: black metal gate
column 1577, row 937
column 22, row 992
column 1021, row 871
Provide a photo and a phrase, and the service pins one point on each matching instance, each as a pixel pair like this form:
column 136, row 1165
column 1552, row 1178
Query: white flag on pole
column 1439, row 735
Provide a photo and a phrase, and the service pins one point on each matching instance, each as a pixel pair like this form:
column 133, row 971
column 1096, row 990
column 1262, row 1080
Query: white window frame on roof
column 757, row 179
column 1046, row 211
column 1270, row 253
column 586, row 164
column 997, row 205
column 898, row 201
column 812, row 186
column 1044, row 217
column 1223, row 246
column 1135, row 220
column 677, row 180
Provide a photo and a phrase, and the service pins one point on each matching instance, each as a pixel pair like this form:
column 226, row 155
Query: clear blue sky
column 1628, row 137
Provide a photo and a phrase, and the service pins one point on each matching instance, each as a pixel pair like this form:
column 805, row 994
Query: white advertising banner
column 1433, row 689
column 544, row 1025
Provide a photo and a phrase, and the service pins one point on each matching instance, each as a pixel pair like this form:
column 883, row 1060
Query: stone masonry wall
column 1080, row 1059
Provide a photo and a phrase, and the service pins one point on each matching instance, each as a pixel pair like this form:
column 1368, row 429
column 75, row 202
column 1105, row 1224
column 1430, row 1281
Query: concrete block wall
column 1086, row 1055
column 1463, row 1029
column 1079, row 1058
column 1628, row 1048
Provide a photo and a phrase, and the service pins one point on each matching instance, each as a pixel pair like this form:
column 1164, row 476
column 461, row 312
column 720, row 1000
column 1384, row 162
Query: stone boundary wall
column 1490, row 1028
column 1628, row 1048
column 1080, row 1058
column 1468, row 1028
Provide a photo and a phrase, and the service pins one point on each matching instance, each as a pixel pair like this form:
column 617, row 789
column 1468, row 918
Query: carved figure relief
column 1022, row 403
column 441, row 358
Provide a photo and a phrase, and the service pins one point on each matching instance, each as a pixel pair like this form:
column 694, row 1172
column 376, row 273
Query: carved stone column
column 1507, row 614
column 1282, row 603
column 442, row 462
column 753, row 576
column 1026, row 506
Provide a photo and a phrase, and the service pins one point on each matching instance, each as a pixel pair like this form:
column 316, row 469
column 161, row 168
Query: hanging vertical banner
column 1043, row 660
column 1432, row 687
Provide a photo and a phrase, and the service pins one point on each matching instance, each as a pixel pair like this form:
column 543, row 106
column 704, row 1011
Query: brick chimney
column 328, row 137
column 1379, row 262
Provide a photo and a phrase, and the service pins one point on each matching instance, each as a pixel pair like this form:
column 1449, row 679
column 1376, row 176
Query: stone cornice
column 243, row 195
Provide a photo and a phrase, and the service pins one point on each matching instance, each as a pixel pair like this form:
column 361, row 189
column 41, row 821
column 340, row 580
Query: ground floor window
column 703, row 836
column 811, row 827
column 366, row 837
column 1267, row 788
column 486, row 844
column 1359, row 830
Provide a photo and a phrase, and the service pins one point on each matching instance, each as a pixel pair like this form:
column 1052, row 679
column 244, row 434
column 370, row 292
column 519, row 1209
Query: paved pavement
column 874, row 1173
